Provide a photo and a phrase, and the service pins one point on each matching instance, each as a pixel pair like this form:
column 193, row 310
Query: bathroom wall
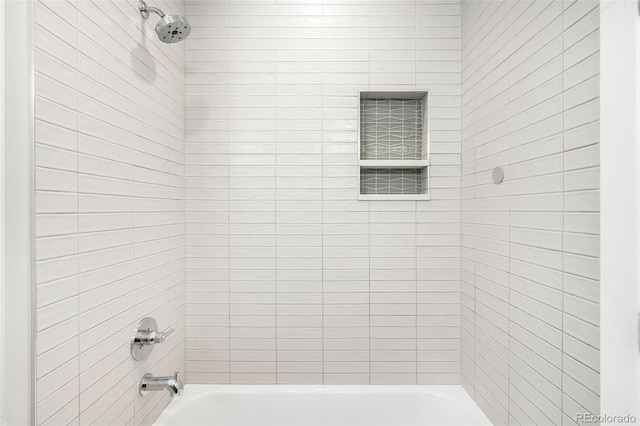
column 291, row 279
column 530, row 267
column 109, row 208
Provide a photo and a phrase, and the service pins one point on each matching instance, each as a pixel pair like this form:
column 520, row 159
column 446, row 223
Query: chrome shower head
column 173, row 28
column 170, row 28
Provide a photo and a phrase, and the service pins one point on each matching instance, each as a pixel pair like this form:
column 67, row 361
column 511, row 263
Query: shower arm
column 144, row 10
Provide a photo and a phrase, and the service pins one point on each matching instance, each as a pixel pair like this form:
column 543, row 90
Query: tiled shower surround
column 213, row 184
column 109, row 208
column 291, row 279
column 530, row 264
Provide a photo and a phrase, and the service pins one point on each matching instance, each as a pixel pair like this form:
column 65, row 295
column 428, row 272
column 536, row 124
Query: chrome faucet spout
column 149, row 383
column 174, row 387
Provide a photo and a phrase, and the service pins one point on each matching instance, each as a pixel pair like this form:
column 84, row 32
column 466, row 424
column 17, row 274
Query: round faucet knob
column 145, row 336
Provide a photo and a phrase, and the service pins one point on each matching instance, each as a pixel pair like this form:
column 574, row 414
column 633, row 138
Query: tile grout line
column 562, row 204
column 77, row 198
column 229, row 151
column 322, row 22
column 376, row 183
column 419, row 117
column 508, row 183
column 275, row 196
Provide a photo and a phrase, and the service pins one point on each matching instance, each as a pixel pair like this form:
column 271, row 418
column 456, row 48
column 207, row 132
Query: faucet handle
column 161, row 336
column 145, row 336
column 151, row 337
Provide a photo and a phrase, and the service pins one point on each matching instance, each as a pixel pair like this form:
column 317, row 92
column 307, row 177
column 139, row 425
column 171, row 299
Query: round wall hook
column 497, row 175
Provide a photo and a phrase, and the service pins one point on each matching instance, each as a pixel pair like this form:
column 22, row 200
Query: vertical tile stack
column 291, row 279
column 109, row 204
column 531, row 244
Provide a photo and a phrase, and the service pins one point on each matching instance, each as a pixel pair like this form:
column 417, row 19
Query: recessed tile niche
column 393, row 143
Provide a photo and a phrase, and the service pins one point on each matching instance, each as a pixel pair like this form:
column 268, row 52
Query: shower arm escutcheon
column 145, row 10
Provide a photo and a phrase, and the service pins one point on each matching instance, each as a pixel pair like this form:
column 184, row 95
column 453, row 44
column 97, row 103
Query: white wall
column 620, row 357
column 17, row 177
column 3, row 299
column 291, row 279
column 531, row 244
column 109, row 208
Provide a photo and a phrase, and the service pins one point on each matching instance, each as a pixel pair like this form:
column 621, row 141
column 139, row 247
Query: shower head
column 170, row 28
column 173, row 28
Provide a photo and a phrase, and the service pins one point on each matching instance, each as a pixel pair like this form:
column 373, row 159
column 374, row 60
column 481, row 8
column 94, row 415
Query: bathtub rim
column 195, row 390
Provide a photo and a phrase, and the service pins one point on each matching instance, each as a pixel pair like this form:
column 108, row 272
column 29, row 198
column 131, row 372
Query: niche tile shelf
column 393, row 142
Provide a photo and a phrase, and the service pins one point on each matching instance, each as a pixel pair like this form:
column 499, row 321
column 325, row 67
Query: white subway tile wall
column 291, row 279
column 530, row 267
column 109, row 205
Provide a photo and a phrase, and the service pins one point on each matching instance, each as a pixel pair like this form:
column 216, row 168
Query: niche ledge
column 394, row 197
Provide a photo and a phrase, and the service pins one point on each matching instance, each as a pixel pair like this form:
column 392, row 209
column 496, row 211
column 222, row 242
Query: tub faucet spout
column 173, row 384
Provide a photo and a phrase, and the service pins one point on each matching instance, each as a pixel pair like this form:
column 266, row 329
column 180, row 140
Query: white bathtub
column 284, row 405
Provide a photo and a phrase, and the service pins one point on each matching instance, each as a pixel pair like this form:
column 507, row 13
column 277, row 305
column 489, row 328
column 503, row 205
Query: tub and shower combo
column 294, row 405
column 317, row 212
